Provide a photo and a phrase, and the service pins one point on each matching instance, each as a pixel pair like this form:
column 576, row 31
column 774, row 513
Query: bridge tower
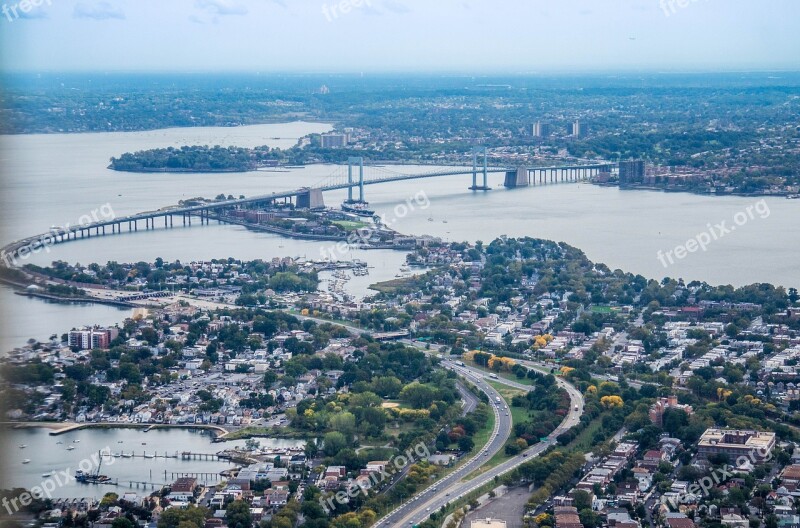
column 485, row 186
column 351, row 162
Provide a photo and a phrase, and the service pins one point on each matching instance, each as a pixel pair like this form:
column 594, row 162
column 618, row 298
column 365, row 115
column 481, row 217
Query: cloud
column 222, row 7
column 98, row 11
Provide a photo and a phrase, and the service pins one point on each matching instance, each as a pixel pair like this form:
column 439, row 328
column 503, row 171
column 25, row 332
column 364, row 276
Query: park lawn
column 349, row 225
column 602, row 309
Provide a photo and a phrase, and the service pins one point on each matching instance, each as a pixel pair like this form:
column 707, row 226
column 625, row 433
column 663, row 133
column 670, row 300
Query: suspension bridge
column 354, row 176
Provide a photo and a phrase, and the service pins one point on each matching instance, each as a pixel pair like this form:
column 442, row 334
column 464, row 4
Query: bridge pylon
column 475, row 186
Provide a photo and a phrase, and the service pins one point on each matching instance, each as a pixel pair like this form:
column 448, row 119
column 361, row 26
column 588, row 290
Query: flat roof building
column 757, row 446
column 488, row 523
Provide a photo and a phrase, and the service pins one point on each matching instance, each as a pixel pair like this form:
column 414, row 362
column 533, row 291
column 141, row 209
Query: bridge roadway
column 68, row 232
column 450, row 488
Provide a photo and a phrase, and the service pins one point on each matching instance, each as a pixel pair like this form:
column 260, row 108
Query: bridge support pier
column 517, row 178
column 312, row 199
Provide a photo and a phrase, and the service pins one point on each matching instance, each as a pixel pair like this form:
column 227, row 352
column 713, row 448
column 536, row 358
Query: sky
column 500, row 36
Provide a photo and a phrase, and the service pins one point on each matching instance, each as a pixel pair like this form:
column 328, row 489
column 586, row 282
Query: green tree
column 237, row 515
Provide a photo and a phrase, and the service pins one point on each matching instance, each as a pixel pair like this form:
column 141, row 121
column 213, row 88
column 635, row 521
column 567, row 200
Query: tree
column 175, row 518
column 237, row 515
column 417, row 395
column 109, row 499
column 122, row 522
column 582, row 500
column 344, row 422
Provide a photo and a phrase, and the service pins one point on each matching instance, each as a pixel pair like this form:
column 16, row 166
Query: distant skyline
column 492, row 36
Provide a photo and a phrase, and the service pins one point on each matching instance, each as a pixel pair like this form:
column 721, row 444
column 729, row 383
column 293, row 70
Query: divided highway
column 450, row 488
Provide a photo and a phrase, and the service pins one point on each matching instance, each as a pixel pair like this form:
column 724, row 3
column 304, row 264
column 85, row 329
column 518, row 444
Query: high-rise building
column 333, row 140
column 577, row 129
column 90, row 338
column 540, row 130
column 631, row 172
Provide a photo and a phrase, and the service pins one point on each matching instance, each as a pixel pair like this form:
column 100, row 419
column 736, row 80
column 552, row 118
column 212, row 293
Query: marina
column 199, row 457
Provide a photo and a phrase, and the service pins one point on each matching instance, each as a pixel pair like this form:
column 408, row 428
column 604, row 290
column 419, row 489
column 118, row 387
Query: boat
column 70, row 448
column 126, row 455
column 430, row 219
column 358, row 209
column 148, row 455
column 59, row 442
column 48, row 474
column 23, row 446
column 792, row 196
column 116, row 455
column 75, row 441
column 85, row 477
column 26, row 461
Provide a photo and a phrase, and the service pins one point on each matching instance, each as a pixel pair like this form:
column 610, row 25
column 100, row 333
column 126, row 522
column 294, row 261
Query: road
column 442, row 490
column 470, row 400
column 419, row 508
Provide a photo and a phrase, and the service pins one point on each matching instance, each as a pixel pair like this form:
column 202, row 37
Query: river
column 57, row 178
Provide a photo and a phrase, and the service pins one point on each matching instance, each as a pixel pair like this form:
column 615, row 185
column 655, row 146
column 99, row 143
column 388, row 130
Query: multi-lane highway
column 452, row 487
column 423, row 503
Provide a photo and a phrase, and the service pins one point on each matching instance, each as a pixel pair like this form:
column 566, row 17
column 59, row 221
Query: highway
column 419, row 508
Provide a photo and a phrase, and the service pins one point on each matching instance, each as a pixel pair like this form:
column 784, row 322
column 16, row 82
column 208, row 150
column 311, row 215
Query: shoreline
column 782, row 194
column 220, row 433
column 59, row 428
column 76, row 300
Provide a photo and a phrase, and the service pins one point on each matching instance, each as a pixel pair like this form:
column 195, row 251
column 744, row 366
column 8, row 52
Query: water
column 47, row 455
column 30, row 318
column 54, row 179
column 623, row 229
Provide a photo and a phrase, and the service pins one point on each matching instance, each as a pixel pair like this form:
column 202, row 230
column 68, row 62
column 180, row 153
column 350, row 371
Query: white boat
column 48, row 474
column 116, row 455
column 70, row 448
column 148, row 455
column 59, row 442
column 27, row 460
column 126, row 455
column 75, row 441
column 23, row 446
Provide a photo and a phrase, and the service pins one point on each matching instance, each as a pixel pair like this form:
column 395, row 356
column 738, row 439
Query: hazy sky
column 400, row 35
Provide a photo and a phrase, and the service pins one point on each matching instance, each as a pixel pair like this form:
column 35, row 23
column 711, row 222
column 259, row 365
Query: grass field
column 349, row 225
